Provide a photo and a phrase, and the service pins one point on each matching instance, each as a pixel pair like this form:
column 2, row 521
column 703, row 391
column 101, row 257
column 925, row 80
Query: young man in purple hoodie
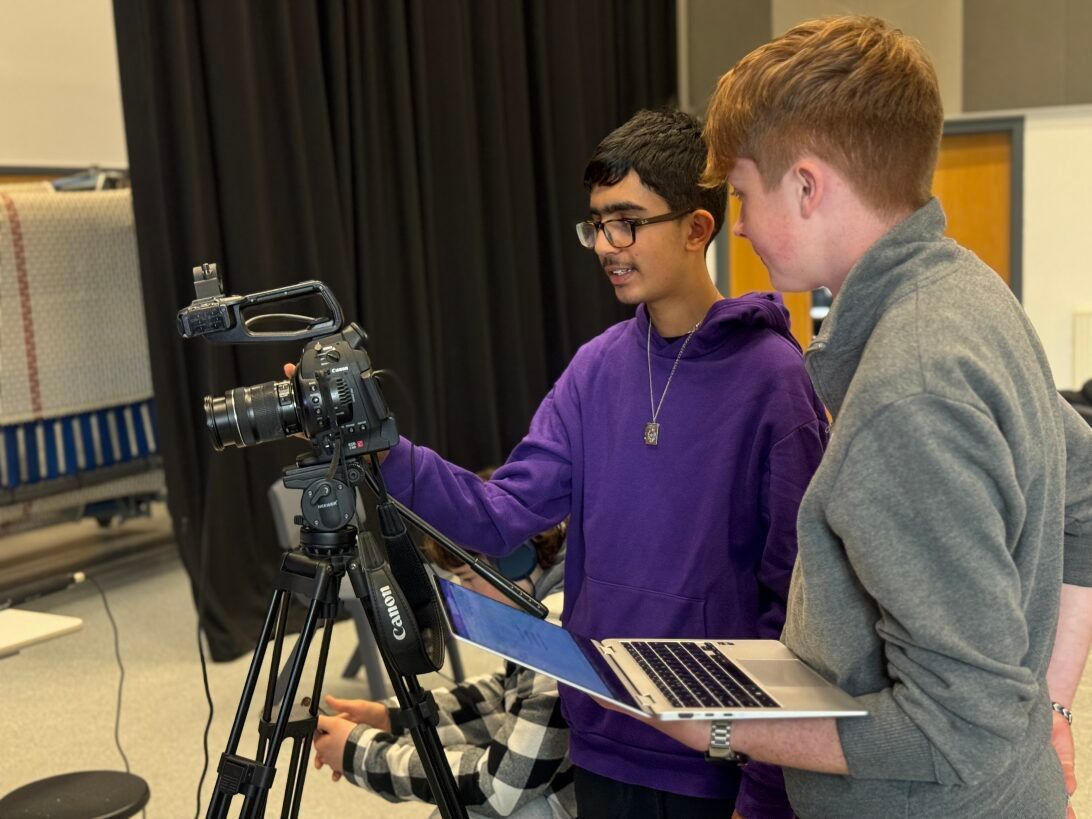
column 680, row 443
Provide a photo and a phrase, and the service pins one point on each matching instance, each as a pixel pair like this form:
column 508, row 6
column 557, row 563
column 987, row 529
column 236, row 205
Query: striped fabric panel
column 52, row 448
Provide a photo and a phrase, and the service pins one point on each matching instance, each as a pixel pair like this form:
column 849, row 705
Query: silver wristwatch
column 720, row 744
column 1065, row 712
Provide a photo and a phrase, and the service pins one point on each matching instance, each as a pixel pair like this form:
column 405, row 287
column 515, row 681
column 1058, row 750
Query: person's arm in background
column 791, row 463
column 529, row 494
column 459, row 709
column 1074, row 636
column 362, row 732
column 525, row 745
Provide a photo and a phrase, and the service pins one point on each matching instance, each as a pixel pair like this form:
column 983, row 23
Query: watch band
column 720, row 744
column 1065, row 712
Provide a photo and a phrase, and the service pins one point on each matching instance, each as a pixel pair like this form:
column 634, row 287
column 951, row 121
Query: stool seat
column 78, row 795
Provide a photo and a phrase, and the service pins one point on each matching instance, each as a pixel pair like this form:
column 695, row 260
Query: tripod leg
column 255, row 798
column 301, row 749
column 441, row 781
column 299, row 762
column 275, row 693
column 218, row 805
column 252, row 674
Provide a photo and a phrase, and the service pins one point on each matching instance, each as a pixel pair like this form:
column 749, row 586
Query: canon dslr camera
column 333, row 394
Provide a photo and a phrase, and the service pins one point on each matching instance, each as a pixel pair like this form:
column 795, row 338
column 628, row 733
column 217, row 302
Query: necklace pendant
column 652, row 433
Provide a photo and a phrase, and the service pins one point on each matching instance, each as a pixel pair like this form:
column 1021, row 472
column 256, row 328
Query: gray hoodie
column 932, row 538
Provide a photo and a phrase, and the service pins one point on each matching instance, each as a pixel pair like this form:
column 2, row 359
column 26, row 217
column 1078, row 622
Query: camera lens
column 251, row 415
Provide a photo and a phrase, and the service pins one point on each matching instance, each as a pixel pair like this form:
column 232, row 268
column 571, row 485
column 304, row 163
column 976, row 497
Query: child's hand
column 364, row 712
column 330, row 739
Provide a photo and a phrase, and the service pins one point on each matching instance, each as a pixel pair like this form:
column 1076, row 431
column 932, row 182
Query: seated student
column 502, row 733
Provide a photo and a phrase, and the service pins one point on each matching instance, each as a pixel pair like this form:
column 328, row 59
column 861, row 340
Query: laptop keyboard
column 696, row 675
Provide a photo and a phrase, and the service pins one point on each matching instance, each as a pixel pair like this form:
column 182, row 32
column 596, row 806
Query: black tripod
column 327, row 553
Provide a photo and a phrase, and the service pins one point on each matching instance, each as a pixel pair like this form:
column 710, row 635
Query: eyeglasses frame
column 633, row 225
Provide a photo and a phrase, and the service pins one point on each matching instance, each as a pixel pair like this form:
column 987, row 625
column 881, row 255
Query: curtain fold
column 423, row 159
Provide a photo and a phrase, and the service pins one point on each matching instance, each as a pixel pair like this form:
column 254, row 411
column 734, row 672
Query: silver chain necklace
column 652, row 429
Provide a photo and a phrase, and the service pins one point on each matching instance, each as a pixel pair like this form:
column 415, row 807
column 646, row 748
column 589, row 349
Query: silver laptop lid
column 536, row 644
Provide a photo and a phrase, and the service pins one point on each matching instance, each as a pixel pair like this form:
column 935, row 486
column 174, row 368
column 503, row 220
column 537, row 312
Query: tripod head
column 403, row 605
column 392, row 581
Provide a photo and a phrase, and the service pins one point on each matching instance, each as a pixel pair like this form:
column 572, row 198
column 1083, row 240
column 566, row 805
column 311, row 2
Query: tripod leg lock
column 237, row 774
column 422, row 712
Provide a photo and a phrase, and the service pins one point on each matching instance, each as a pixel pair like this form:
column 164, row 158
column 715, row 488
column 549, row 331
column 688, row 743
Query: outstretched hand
column 289, row 372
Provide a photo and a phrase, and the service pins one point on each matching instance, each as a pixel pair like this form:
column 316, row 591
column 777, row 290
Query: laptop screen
column 524, row 639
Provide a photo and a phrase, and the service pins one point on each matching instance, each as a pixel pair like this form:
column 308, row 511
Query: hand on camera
column 289, row 372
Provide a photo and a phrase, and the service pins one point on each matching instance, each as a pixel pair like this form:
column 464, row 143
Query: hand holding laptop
column 654, row 679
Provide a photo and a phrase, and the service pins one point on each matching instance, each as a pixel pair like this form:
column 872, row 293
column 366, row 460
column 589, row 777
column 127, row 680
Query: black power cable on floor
column 121, row 679
column 202, row 577
column 208, row 722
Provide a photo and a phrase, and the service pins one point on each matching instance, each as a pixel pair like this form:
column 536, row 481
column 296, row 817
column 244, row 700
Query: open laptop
column 664, row 679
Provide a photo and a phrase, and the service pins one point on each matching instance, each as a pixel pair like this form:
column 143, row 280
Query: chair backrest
column 285, row 505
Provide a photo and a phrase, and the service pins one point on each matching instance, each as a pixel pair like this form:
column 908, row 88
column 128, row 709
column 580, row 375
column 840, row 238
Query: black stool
column 79, row 795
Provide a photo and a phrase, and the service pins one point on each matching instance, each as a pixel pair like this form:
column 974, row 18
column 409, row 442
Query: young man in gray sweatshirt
column 950, row 520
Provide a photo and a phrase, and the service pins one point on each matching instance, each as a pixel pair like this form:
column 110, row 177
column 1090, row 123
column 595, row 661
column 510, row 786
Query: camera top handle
column 220, row 317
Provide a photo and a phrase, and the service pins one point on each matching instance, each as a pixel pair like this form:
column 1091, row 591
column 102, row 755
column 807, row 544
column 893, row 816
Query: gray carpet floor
column 58, row 698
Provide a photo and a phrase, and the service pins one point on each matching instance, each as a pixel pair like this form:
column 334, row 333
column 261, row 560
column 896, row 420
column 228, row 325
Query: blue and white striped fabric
column 51, row 448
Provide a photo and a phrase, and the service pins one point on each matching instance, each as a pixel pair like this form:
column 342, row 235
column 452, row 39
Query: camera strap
column 413, row 647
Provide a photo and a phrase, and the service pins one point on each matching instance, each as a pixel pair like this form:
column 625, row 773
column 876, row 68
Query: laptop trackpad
column 782, row 674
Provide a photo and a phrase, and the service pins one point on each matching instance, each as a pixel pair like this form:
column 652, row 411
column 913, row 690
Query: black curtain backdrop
column 425, row 160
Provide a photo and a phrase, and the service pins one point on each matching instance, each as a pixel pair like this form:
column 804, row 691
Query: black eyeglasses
column 620, row 233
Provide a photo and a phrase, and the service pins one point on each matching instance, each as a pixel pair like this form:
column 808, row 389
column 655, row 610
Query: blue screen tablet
column 536, row 644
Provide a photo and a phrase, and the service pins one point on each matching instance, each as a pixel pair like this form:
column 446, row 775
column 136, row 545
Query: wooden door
column 973, row 182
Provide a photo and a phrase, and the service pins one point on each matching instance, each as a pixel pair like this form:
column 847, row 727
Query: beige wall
column 60, row 97
column 1019, row 54
column 713, row 36
column 938, row 24
column 1057, row 263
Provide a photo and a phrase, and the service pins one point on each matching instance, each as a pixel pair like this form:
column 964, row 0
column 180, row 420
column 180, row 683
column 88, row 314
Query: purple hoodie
column 695, row 537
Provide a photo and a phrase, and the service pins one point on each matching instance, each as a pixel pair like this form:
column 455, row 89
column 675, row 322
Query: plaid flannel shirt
column 503, row 736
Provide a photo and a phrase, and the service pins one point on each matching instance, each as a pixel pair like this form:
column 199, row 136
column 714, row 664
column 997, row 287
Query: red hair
column 849, row 90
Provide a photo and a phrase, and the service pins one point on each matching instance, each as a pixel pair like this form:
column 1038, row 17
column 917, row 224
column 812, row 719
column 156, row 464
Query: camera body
column 337, row 396
column 333, row 394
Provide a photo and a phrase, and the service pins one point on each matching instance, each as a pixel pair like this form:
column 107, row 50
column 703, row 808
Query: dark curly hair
column 667, row 151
